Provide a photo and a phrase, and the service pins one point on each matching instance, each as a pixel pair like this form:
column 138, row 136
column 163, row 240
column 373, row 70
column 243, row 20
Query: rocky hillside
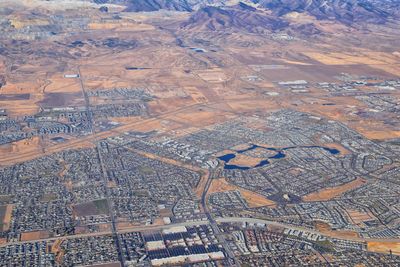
column 344, row 11
column 241, row 16
column 155, row 5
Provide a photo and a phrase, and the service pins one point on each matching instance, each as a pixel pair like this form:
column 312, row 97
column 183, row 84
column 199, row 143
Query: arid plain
column 149, row 79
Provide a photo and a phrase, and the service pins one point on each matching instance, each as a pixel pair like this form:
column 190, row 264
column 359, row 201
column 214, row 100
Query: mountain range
column 155, row 5
column 240, row 16
column 272, row 15
column 345, row 11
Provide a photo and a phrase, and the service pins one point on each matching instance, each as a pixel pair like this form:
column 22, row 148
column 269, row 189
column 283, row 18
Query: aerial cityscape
column 199, row 133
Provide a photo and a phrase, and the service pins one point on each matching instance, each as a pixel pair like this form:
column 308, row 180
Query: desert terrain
column 132, row 117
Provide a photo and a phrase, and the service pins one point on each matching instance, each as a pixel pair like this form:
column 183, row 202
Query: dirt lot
column 359, row 217
column 5, row 217
column 384, row 247
column 95, row 207
column 253, row 199
column 379, row 60
column 213, row 75
column 34, row 235
column 332, row 192
column 324, row 228
column 244, row 161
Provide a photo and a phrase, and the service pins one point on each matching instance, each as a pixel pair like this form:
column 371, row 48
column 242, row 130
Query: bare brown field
column 23, row 146
column 378, row 60
column 199, row 117
column 56, row 100
column 126, row 225
column 33, row 86
column 325, row 229
column 332, row 192
column 18, row 108
column 253, row 199
column 213, row 76
column 158, row 222
column 36, row 235
column 251, row 105
column 244, row 161
column 59, row 84
column 123, row 25
column 159, row 61
column 93, row 84
column 20, row 23
column 96, row 207
column 57, row 250
column 5, row 217
column 362, row 57
column 167, row 105
column 84, row 229
column 359, row 217
column 379, row 134
column 196, row 94
column 384, row 247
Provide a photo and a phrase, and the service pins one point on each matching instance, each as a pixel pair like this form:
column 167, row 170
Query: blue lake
column 280, row 154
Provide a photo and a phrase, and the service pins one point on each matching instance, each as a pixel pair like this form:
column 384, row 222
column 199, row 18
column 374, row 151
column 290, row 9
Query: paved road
column 254, row 220
column 120, row 231
column 194, row 223
column 111, row 209
column 231, row 257
column 87, row 102
column 13, row 158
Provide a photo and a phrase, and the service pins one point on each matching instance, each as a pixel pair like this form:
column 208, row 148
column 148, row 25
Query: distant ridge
column 155, row 5
column 241, row 16
column 344, row 11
